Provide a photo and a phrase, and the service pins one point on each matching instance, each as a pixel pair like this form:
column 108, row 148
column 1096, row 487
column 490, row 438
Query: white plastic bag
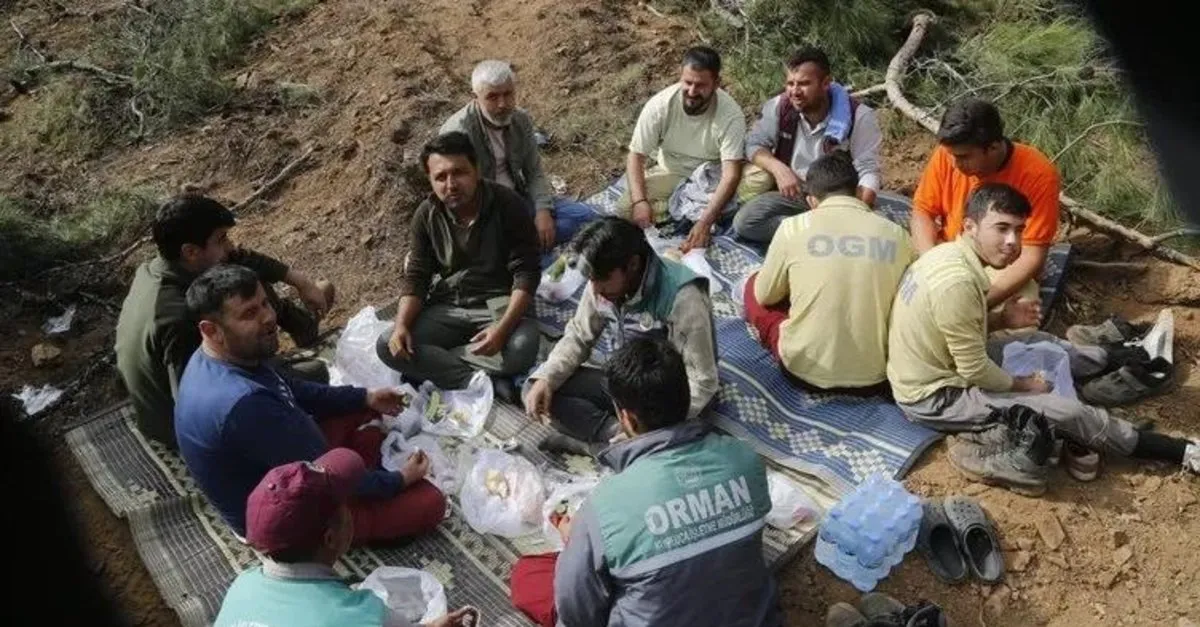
column 695, row 261
column 355, row 361
column 574, row 493
column 458, row 413
column 396, row 449
column 502, row 494
column 789, row 503
column 560, row 289
column 1046, row 359
column 414, row 594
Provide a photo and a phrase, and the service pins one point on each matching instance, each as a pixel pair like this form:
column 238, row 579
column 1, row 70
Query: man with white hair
column 506, row 151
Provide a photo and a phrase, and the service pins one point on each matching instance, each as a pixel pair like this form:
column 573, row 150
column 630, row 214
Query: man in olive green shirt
column 823, row 296
column 943, row 368
column 155, row 336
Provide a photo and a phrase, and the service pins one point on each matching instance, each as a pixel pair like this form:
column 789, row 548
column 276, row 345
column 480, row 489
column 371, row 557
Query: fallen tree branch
column 1094, row 220
column 869, row 91
column 279, row 178
column 895, row 71
column 1087, row 130
column 107, row 76
column 1109, row 266
column 1162, row 237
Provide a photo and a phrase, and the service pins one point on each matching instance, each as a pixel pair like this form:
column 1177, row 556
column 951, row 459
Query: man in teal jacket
column 641, row 293
column 675, row 537
column 298, row 519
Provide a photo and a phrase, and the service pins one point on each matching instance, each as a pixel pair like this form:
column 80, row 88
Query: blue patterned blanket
column 838, row 439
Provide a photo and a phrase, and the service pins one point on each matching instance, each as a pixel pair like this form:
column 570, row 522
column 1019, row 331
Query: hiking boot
column 1082, row 464
column 879, row 605
column 844, row 615
column 997, row 436
column 1129, row 383
column 1010, row 468
column 1113, row 330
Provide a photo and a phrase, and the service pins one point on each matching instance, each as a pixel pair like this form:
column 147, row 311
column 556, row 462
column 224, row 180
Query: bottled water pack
column 869, row 532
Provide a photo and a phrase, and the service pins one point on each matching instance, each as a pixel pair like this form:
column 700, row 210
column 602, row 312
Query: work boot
column 1129, row 383
column 1113, row 330
column 1018, row 464
column 844, row 615
column 1015, row 426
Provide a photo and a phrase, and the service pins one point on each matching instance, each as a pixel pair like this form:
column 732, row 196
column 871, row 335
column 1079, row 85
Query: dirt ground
column 387, row 73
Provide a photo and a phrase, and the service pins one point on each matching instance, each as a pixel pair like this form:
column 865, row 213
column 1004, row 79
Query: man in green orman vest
column 675, row 536
column 644, row 294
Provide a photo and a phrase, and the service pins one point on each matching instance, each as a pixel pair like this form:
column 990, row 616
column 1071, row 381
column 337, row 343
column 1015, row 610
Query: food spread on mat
column 496, row 484
column 556, row 270
column 437, row 411
column 560, row 512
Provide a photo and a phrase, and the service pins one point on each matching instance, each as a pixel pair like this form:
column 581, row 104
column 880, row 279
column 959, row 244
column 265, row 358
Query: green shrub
column 34, row 237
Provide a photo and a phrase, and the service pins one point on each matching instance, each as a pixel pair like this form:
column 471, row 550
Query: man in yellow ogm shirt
column 821, row 301
column 943, row 368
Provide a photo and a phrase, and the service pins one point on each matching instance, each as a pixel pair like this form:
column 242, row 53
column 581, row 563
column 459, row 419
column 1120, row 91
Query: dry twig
column 25, row 40
column 107, row 76
column 1087, row 130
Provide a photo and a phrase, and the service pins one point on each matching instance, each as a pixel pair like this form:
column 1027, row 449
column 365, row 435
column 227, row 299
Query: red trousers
column 416, row 510
column 531, row 587
column 764, row 320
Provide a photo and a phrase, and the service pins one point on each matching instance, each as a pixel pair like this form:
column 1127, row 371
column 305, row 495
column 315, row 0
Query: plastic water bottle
column 869, row 532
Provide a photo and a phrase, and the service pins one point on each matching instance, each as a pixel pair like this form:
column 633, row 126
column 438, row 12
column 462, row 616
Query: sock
column 1156, row 446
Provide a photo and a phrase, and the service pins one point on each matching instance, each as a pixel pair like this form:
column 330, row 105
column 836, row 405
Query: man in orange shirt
column 973, row 150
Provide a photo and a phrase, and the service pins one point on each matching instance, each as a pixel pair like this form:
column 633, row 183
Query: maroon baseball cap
column 293, row 504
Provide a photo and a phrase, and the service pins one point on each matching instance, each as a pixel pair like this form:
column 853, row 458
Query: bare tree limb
column 1094, row 220
column 107, row 76
column 1162, row 237
column 1109, row 266
column 25, row 40
column 279, row 178
column 895, row 71
column 1087, row 130
column 868, row 91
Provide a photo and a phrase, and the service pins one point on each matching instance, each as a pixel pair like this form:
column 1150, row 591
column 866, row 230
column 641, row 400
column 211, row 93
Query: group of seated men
column 846, row 300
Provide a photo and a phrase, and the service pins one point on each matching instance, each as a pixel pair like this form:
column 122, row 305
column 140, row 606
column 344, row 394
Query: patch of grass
column 37, row 236
column 177, row 53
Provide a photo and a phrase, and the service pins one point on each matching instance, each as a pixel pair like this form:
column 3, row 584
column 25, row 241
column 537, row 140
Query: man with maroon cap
column 298, row 519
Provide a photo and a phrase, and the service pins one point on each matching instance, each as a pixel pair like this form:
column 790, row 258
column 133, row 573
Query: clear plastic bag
column 458, row 413
column 502, row 494
column 568, row 281
column 396, row 449
column 789, row 503
column 1045, row 359
column 573, row 494
column 414, row 594
column 355, row 361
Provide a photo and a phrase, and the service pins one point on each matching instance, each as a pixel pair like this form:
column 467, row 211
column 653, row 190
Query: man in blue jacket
column 238, row 417
column 675, row 537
